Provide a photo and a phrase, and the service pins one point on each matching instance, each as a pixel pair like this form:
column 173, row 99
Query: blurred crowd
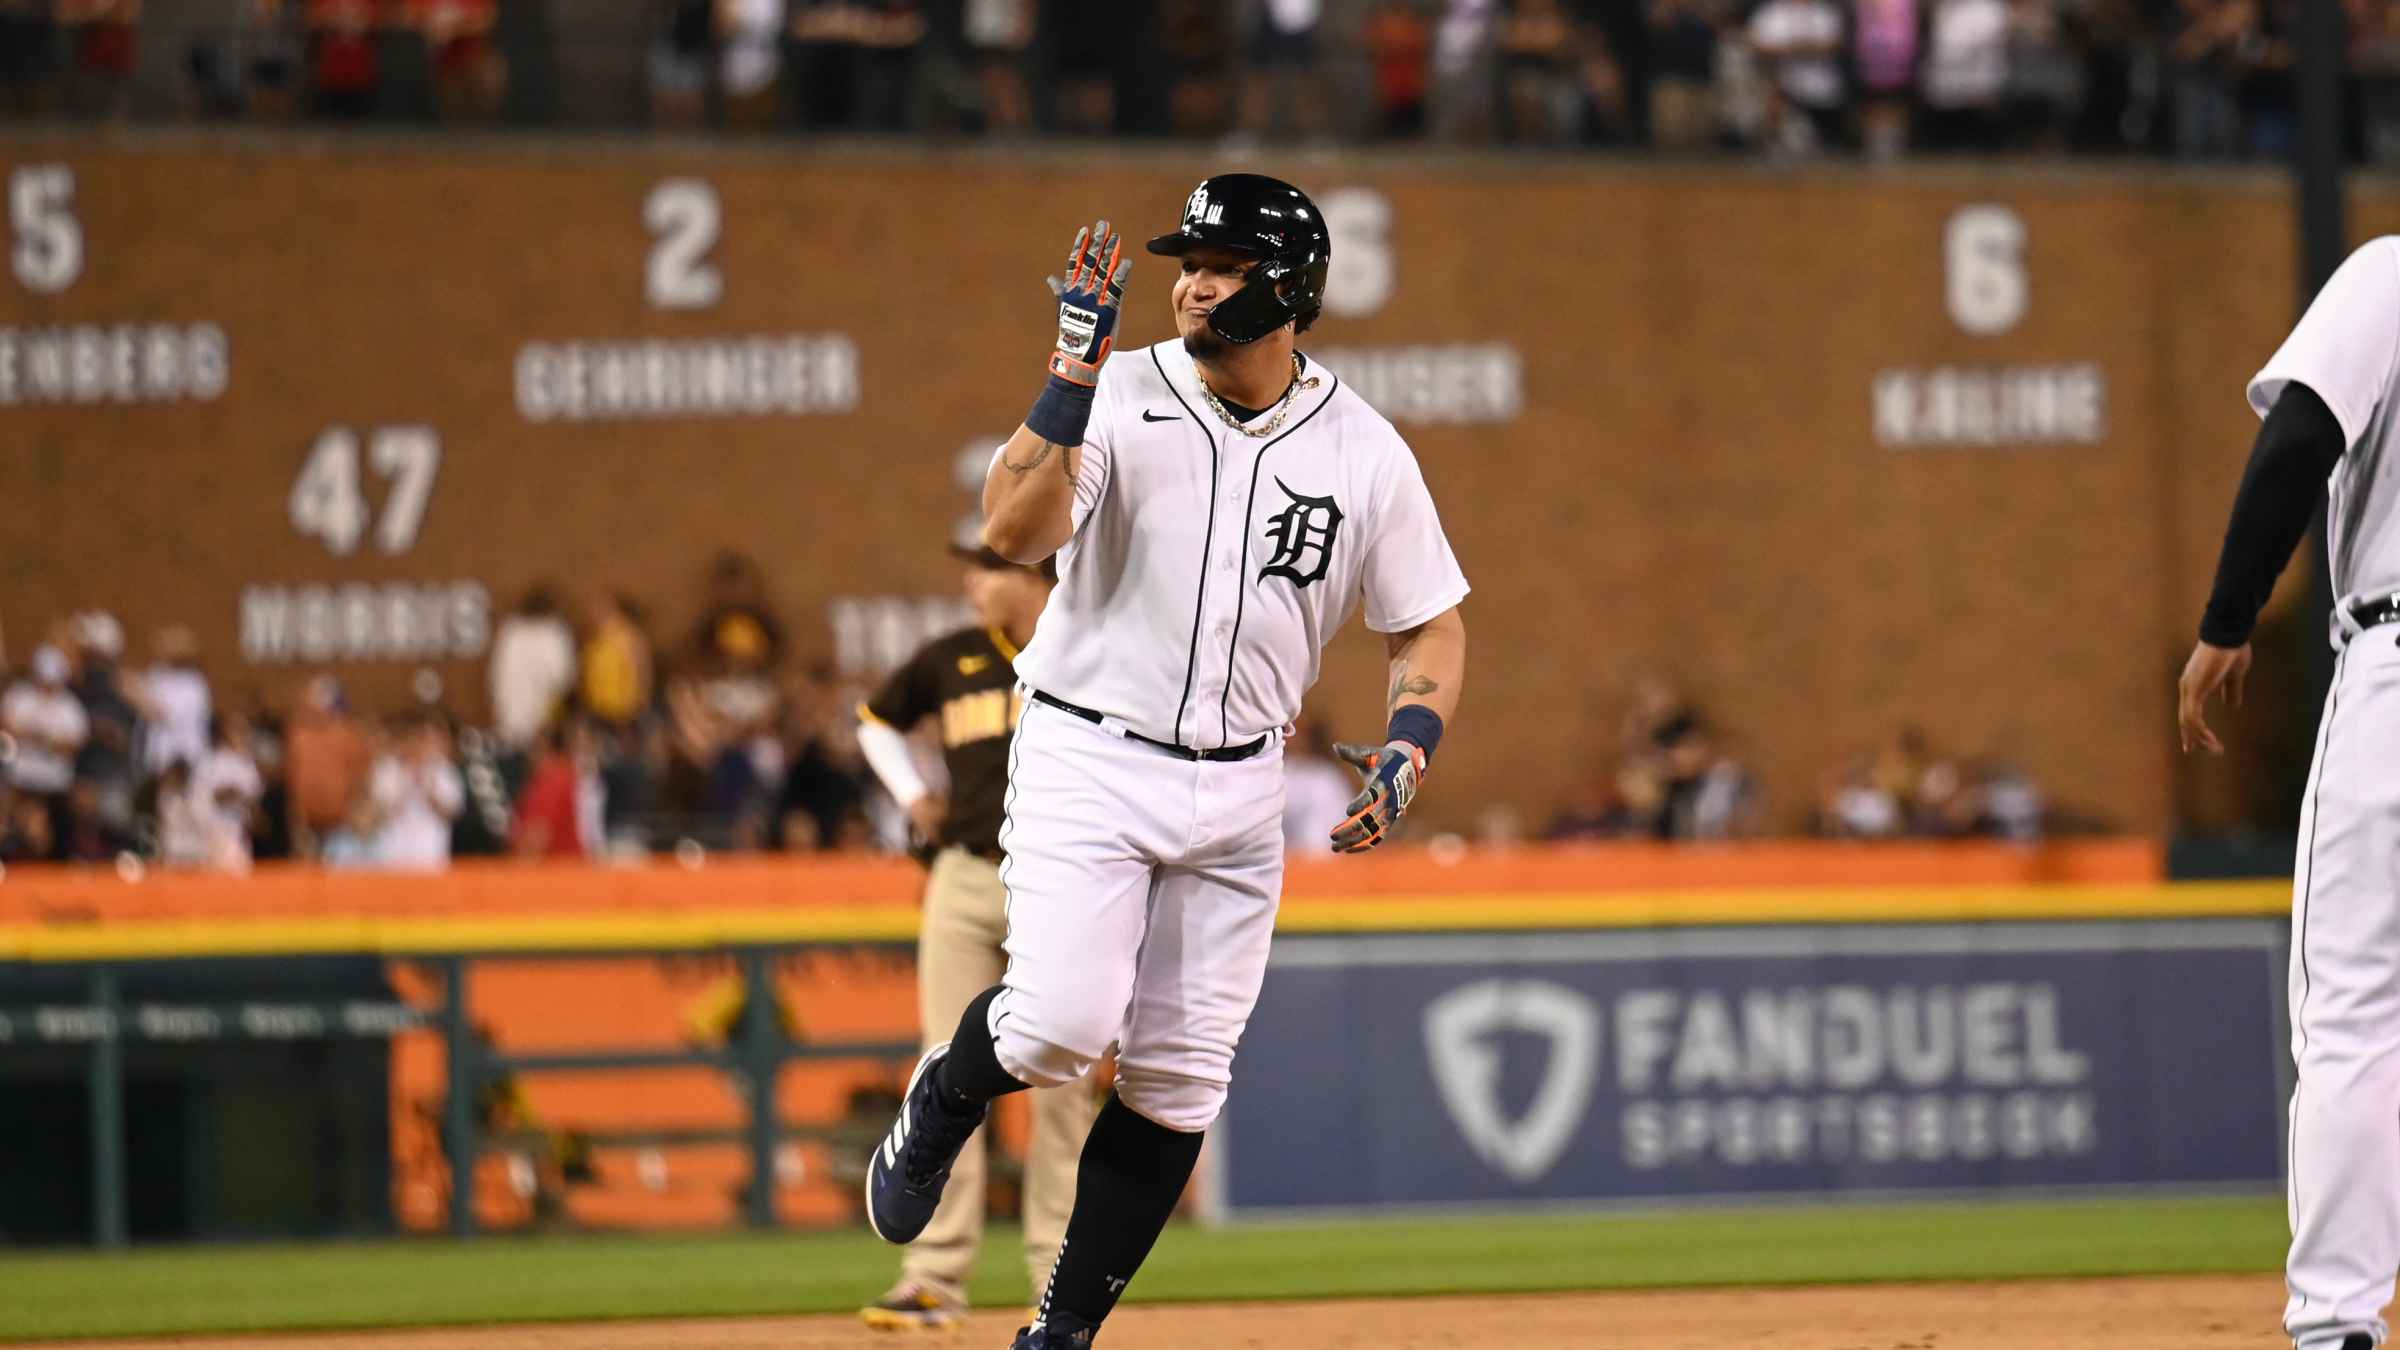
column 1674, row 776
column 603, row 742
column 599, row 743
column 2195, row 78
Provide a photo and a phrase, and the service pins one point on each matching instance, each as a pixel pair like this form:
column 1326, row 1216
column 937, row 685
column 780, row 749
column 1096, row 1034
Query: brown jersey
column 966, row 679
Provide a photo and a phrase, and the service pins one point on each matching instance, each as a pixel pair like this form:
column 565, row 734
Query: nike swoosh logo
column 1149, row 416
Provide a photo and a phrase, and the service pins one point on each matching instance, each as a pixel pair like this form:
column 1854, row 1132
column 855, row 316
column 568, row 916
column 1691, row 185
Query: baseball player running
column 968, row 680
column 2327, row 397
column 1218, row 505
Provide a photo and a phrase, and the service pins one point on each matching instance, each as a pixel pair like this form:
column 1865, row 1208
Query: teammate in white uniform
column 2331, row 419
column 1218, row 507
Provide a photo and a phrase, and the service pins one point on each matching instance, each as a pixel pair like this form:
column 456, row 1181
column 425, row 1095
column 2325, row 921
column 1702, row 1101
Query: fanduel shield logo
column 1466, row 1066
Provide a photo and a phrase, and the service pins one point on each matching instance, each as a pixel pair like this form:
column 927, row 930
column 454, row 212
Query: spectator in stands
column 1799, row 43
column 1683, row 72
column 1281, row 92
column 103, row 33
column 532, row 668
column 271, row 825
column 47, row 729
column 107, row 759
column 1900, row 789
column 186, row 827
column 2004, row 802
column 1087, row 42
column 84, row 833
column 27, row 834
column 2117, row 94
column 1884, row 41
column 1604, row 96
column 2201, row 69
column 1539, row 47
column 276, row 56
column 1707, row 795
column 345, row 73
column 617, row 666
column 679, row 62
column 822, row 805
column 2375, row 55
column 2047, row 58
column 854, row 62
column 215, row 86
column 2263, row 78
column 1196, row 43
column 1317, row 788
column 1465, row 78
column 563, row 810
column 327, row 759
column 173, row 696
column 999, row 37
column 414, row 796
column 1966, row 75
column 1398, row 43
column 228, row 788
column 470, row 77
column 1598, row 810
column 750, row 47
column 28, row 58
column 736, row 627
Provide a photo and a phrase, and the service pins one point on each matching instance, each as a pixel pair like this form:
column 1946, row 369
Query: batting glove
column 1088, row 302
column 1392, row 772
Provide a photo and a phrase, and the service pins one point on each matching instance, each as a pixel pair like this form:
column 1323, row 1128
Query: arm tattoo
column 1031, row 464
column 1404, row 683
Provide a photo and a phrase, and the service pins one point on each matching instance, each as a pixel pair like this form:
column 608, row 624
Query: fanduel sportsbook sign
column 1632, row 1065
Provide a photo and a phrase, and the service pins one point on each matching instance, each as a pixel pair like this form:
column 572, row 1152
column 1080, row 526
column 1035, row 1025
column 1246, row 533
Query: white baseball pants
column 2344, row 1169
column 1141, row 899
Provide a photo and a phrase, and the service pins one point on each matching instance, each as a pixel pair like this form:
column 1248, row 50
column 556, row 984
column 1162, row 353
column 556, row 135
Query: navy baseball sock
column 971, row 1074
column 1133, row 1172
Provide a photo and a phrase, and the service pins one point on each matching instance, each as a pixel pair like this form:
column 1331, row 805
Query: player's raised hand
column 1392, row 772
column 2211, row 670
column 1089, row 298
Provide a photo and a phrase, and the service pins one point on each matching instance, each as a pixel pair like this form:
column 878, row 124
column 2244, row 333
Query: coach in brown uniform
column 967, row 681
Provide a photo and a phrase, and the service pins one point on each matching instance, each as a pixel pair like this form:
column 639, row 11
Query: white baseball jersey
column 2345, row 349
column 2344, row 1168
column 1208, row 568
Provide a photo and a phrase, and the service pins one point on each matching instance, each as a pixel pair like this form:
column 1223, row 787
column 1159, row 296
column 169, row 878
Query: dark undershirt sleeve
column 2297, row 447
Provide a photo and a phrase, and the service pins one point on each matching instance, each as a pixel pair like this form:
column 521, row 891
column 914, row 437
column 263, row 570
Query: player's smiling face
column 1208, row 276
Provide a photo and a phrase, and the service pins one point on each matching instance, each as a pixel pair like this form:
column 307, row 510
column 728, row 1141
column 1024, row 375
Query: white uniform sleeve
column 1411, row 574
column 1091, row 478
column 2345, row 345
column 886, row 752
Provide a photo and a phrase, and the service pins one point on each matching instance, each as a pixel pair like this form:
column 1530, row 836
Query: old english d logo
column 1302, row 534
column 1466, row 1067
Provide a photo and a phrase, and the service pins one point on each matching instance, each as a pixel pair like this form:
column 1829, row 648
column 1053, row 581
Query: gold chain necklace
column 1270, row 425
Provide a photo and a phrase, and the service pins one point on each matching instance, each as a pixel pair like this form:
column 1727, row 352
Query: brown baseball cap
column 984, row 556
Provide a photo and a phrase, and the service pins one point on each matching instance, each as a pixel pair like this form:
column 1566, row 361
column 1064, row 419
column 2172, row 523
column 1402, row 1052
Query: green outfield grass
column 503, row 1279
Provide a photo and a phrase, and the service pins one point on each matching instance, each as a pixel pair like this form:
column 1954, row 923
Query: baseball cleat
column 911, row 1306
column 1056, row 1333
column 906, row 1175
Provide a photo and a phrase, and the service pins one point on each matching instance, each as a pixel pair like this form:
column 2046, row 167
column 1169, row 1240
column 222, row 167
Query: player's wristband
column 1062, row 412
column 1418, row 725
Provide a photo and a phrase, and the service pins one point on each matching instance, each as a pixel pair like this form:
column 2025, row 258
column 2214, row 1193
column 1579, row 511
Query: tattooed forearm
column 1415, row 686
column 1032, row 462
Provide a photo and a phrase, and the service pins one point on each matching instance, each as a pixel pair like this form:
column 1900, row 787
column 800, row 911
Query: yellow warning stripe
column 135, row 939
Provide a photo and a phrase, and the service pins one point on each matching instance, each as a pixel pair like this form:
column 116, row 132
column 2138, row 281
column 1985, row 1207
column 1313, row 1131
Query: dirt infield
column 2177, row 1313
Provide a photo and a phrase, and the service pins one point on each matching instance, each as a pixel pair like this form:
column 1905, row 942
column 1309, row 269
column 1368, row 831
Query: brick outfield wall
column 1698, row 479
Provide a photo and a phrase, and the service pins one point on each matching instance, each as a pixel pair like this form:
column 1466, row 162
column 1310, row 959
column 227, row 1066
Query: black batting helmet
column 1267, row 219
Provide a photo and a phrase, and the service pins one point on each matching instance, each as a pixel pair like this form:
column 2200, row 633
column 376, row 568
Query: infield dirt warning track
column 2232, row 1312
